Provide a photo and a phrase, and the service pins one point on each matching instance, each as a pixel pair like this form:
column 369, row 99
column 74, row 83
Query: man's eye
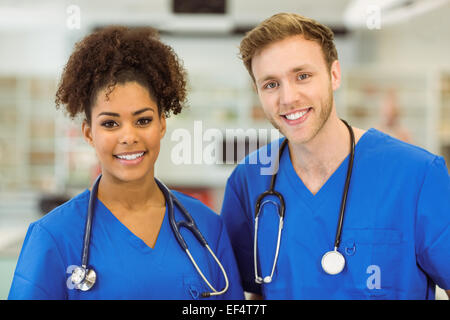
column 109, row 124
column 303, row 76
column 271, row 85
column 144, row 121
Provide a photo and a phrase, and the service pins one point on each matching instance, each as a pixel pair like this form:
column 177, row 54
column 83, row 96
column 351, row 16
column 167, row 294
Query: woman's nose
column 128, row 135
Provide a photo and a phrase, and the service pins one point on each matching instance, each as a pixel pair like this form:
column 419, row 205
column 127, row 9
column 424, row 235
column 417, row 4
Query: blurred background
column 395, row 71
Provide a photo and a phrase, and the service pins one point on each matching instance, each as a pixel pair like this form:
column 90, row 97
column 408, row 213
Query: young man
column 372, row 223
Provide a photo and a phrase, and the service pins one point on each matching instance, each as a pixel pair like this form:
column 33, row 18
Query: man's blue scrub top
column 126, row 267
column 395, row 238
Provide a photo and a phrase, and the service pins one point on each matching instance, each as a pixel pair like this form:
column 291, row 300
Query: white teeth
column 296, row 115
column 131, row 156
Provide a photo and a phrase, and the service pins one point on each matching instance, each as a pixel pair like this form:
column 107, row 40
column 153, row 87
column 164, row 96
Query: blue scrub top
column 395, row 238
column 126, row 267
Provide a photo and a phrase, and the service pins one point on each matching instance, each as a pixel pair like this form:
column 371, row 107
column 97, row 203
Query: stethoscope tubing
column 281, row 210
column 191, row 226
column 88, row 226
column 337, row 239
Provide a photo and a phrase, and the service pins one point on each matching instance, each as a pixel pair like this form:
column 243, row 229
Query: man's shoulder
column 389, row 150
column 260, row 162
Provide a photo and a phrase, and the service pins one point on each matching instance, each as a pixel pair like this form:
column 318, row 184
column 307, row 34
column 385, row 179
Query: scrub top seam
column 247, row 218
column 39, row 225
column 54, row 241
column 216, row 247
column 428, row 168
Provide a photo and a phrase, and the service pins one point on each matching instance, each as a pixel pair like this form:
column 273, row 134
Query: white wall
column 421, row 41
column 35, row 52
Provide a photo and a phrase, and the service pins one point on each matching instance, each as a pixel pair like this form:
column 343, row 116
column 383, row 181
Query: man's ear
column 335, row 73
column 87, row 132
column 254, row 87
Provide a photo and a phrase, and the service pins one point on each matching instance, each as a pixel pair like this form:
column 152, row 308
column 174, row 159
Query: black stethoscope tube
column 88, row 226
column 337, row 240
column 189, row 223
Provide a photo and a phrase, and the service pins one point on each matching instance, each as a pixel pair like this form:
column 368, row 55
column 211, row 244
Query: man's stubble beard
column 324, row 115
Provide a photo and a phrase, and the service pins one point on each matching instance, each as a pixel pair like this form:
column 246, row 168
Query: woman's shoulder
column 197, row 209
column 66, row 216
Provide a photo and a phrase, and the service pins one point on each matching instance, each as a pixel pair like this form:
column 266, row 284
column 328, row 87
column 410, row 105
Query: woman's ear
column 163, row 125
column 87, row 132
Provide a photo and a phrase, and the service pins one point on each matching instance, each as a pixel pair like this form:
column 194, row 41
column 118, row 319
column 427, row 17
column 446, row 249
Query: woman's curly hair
column 116, row 55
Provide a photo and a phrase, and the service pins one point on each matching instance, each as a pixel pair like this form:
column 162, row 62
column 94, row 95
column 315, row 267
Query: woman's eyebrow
column 113, row 114
column 142, row 111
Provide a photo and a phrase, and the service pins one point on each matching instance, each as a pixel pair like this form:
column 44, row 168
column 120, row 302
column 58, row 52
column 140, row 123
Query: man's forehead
column 290, row 54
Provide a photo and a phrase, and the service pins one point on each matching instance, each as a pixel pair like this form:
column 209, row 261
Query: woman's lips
column 130, row 158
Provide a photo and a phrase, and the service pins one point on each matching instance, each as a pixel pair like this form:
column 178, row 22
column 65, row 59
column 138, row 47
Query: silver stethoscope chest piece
column 83, row 279
column 333, row 262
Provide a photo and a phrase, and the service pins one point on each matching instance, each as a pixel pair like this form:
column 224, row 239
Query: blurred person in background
column 390, row 118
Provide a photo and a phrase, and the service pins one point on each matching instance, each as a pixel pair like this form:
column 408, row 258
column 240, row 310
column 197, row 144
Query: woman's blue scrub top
column 126, row 267
column 395, row 238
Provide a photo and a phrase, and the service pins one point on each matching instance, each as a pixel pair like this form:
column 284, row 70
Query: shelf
column 27, row 131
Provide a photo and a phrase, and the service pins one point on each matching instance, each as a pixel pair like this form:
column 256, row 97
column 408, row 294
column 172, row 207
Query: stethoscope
column 83, row 278
column 333, row 261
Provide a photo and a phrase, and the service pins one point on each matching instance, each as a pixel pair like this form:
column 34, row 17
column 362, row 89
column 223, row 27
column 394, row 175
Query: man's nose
column 289, row 94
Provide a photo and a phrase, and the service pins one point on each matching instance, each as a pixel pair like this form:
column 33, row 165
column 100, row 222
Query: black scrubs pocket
column 373, row 262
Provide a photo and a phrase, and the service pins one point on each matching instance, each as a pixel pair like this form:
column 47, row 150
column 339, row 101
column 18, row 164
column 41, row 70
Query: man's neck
column 316, row 160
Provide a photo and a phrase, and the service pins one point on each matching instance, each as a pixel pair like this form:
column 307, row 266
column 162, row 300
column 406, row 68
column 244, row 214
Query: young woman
column 125, row 82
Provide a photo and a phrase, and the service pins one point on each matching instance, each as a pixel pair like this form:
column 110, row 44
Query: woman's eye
column 303, row 76
column 144, row 121
column 109, row 124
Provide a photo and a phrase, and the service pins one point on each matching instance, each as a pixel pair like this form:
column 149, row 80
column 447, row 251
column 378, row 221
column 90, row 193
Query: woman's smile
column 130, row 158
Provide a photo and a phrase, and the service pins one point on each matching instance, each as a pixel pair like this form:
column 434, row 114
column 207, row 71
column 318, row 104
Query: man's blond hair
column 279, row 27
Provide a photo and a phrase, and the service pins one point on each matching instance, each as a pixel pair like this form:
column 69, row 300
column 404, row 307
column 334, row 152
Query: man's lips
column 297, row 116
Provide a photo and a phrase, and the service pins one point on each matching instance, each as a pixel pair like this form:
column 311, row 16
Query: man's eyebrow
column 113, row 114
column 293, row 70
column 302, row 67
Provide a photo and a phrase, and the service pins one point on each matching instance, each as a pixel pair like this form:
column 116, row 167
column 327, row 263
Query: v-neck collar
column 336, row 178
column 134, row 240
